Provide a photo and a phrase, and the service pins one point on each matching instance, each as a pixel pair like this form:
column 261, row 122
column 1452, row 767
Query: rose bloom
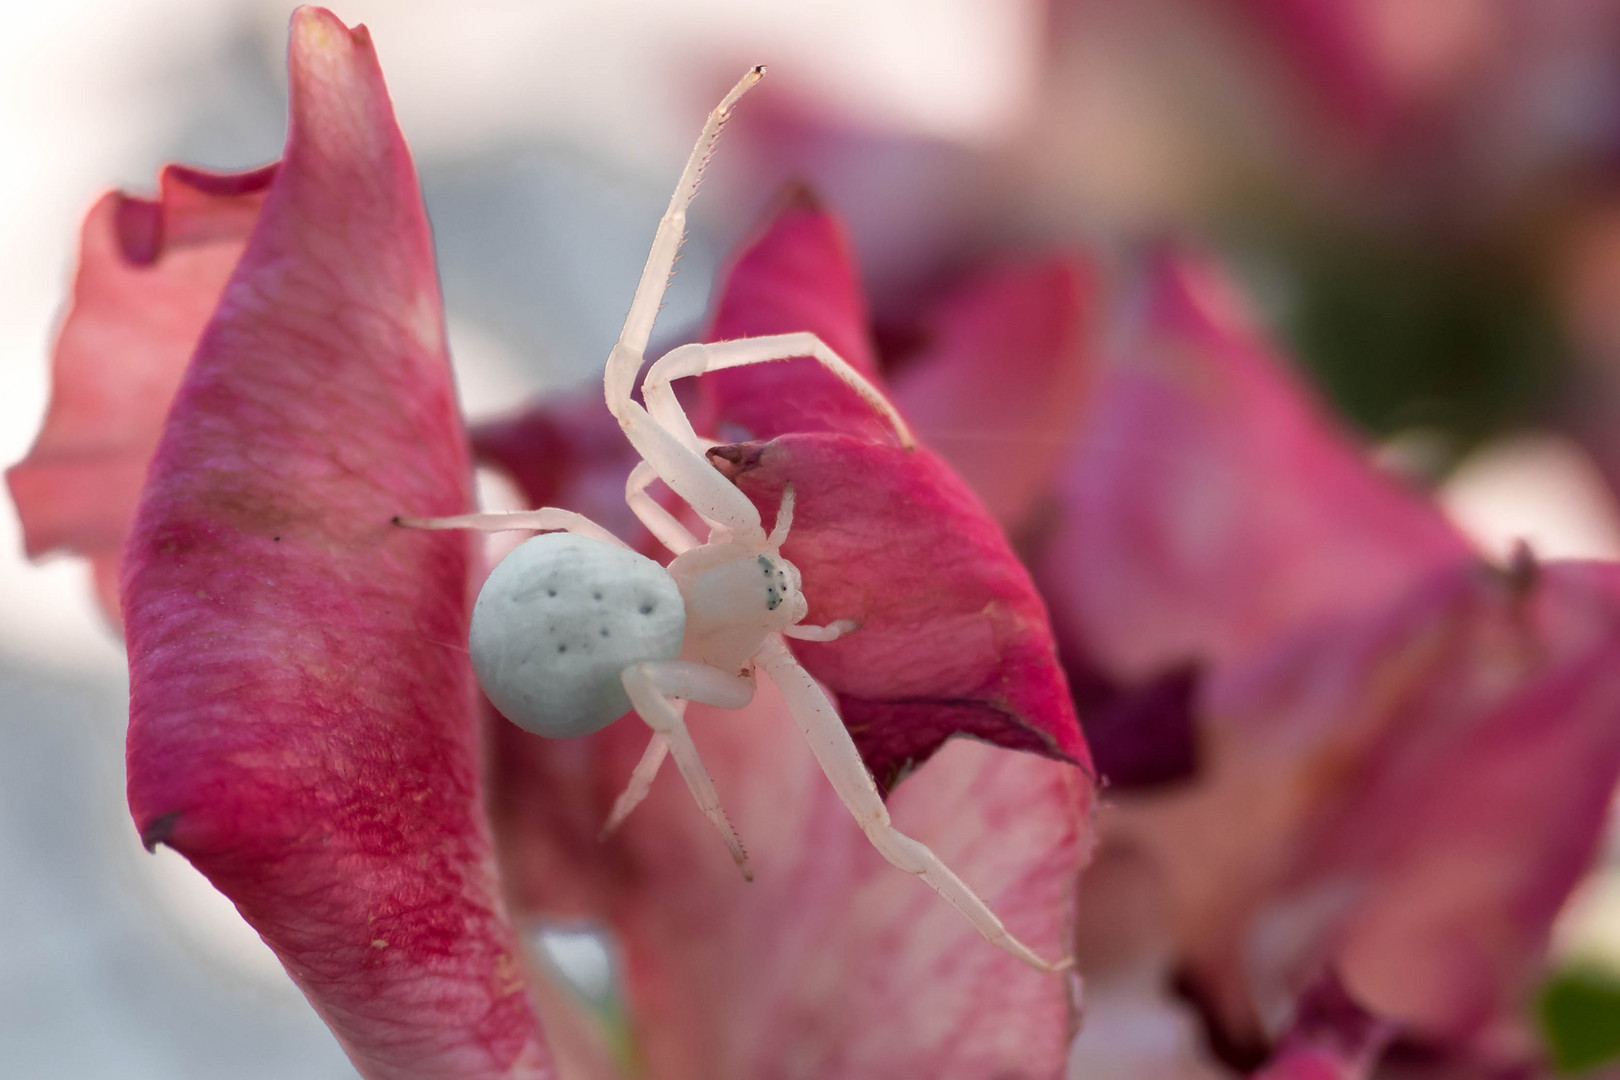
column 1351, row 769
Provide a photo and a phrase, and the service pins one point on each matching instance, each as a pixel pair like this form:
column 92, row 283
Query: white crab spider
column 573, row 629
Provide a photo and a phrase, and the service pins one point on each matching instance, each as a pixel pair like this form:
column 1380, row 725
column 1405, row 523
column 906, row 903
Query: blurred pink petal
column 302, row 714
column 918, row 206
column 999, row 386
column 1331, row 49
column 1436, row 882
column 1133, row 1027
column 567, row 450
column 1333, row 1037
column 1210, row 504
column 150, row 273
column 1404, row 799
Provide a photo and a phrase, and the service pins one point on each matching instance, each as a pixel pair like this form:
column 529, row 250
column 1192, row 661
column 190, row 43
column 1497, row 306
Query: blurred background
column 1422, row 197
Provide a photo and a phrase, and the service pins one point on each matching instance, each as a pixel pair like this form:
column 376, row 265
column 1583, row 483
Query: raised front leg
column 652, row 686
column 836, row 753
column 698, row 359
column 627, row 355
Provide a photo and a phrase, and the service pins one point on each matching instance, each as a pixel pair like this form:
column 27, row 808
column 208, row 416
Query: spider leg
column 651, row 686
column 836, row 753
column 659, row 521
column 545, row 519
column 626, row 358
column 683, row 468
column 640, row 780
column 697, row 359
column 831, row 632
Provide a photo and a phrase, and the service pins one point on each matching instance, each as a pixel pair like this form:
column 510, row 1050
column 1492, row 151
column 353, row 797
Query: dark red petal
column 302, row 715
column 150, row 273
column 797, row 275
column 999, row 387
column 1210, row 504
column 953, row 638
column 1332, row 1037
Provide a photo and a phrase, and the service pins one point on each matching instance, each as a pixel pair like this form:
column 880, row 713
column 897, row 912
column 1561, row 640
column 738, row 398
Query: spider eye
column 776, row 585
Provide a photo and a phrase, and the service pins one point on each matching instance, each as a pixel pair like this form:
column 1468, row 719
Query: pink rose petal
column 1404, row 798
column 953, row 638
column 832, row 963
column 1210, row 504
column 999, row 386
column 1476, row 816
column 150, row 273
column 797, row 275
column 302, row 716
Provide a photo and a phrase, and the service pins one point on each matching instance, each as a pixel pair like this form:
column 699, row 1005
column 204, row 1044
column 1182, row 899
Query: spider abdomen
column 559, row 620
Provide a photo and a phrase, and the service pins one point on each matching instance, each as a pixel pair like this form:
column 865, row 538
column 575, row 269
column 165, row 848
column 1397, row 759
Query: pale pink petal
column 1474, row 818
column 831, row 963
column 1133, row 1026
column 1211, row 504
column 150, row 273
column 998, row 387
column 1404, row 798
column 302, row 711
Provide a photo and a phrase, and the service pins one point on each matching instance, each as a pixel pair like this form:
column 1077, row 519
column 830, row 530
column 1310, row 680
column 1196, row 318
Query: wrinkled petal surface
column 1210, row 504
column 830, row 962
column 833, row 963
column 150, row 272
column 302, row 716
